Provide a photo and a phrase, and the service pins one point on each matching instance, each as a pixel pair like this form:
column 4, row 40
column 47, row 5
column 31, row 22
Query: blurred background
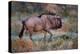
column 63, row 38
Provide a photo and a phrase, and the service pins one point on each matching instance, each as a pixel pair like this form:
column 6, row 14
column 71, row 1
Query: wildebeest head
column 55, row 20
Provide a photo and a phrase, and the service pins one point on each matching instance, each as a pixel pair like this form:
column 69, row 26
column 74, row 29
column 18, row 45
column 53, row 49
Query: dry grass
column 59, row 43
column 22, row 45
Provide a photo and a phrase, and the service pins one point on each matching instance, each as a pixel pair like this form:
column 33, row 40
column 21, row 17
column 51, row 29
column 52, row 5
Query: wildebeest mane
column 46, row 14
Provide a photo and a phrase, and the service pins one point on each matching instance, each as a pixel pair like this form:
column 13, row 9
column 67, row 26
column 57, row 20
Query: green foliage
column 74, row 24
column 65, row 37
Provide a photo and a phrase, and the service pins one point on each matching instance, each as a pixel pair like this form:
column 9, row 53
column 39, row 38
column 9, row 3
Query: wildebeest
column 43, row 22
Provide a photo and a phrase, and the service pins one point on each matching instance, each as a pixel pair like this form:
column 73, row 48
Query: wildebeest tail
column 22, row 30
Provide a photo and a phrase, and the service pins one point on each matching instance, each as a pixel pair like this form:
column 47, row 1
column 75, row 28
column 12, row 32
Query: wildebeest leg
column 30, row 33
column 44, row 35
column 31, row 36
column 50, row 39
column 50, row 34
column 21, row 32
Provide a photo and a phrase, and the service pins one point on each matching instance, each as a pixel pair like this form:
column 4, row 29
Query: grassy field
column 62, row 39
column 60, row 42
